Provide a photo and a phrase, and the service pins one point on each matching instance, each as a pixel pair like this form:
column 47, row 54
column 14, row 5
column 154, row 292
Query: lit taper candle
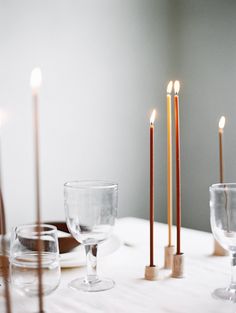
column 35, row 83
column 151, row 270
column 169, row 161
column 178, row 259
column 152, row 119
column 218, row 249
column 169, row 249
column 178, row 170
column 221, row 130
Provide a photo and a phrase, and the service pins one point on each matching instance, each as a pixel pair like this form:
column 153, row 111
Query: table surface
column 132, row 293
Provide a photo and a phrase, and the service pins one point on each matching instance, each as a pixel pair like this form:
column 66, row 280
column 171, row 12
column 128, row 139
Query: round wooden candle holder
column 151, row 272
column 219, row 250
column 169, row 252
column 178, row 266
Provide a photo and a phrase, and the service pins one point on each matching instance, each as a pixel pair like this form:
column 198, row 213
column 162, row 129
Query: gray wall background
column 105, row 66
column 206, row 66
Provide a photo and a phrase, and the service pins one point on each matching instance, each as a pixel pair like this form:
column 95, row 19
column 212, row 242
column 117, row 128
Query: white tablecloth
column 134, row 294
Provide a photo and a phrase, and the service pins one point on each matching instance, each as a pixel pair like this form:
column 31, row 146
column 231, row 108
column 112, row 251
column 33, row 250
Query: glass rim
column 90, row 184
column 222, row 186
column 53, row 229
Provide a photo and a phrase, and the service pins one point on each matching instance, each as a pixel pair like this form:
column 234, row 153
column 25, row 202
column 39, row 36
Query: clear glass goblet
column 24, row 259
column 223, row 225
column 91, row 209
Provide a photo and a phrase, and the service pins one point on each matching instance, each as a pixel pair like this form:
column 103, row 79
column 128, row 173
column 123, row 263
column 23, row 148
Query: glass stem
column 91, row 257
column 233, row 271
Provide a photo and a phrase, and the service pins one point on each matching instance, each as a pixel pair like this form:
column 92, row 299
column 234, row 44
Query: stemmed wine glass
column 91, row 209
column 223, row 225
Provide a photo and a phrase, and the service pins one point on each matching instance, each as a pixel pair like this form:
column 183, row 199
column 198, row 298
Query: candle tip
column 177, row 87
column 153, row 116
column 36, row 78
column 169, row 86
column 222, row 123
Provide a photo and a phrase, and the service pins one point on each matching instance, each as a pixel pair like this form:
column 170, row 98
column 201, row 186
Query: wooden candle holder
column 219, row 250
column 151, row 273
column 169, row 253
column 178, row 266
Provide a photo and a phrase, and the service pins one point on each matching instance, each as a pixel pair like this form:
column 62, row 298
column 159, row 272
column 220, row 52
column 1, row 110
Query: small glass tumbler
column 223, row 225
column 24, row 259
column 91, row 208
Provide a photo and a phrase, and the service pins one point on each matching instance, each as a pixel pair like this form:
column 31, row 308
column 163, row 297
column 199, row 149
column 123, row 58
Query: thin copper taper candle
column 169, row 249
column 221, row 130
column 152, row 188
column 178, row 170
column 218, row 249
column 178, row 268
column 35, row 85
column 151, row 271
column 169, row 161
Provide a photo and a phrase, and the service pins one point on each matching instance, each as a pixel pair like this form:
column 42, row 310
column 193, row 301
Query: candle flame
column 222, row 123
column 153, row 116
column 36, row 78
column 169, row 87
column 176, row 87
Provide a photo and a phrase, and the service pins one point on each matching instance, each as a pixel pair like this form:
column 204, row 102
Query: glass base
column 99, row 285
column 225, row 294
